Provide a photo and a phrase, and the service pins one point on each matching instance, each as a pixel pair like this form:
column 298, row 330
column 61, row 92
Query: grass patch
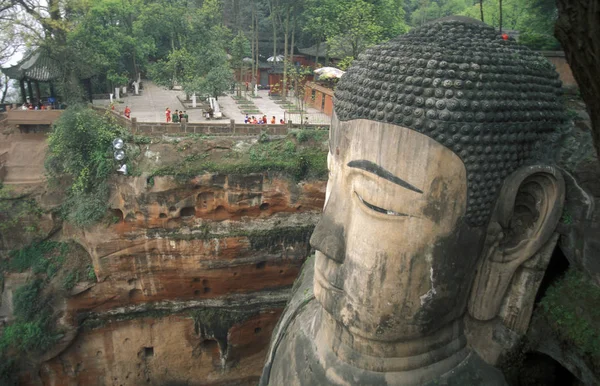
column 307, row 135
column 570, row 307
column 276, row 156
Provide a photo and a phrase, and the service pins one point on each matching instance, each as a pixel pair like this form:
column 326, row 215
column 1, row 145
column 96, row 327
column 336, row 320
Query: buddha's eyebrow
column 371, row 167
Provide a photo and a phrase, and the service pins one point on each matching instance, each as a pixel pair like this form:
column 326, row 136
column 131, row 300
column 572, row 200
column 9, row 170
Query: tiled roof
column 36, row 66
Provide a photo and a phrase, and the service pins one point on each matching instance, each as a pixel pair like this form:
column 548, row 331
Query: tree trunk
column 481, row 9
column 578, row 31
column 500, row 4
column 292, row 46
column 236, row 15
column 175, row 66
column 6, row 80
column 285, row 52
column 253, row 48
column 293, row 35
column 274, row 22
column 317, row 55
column 256, row 45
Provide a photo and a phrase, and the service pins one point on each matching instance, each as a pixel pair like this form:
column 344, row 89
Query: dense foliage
column 34, row 330
column 569, row 307
column 300, row 156
column 197, row 43
column 198, row 58
column 80, row 148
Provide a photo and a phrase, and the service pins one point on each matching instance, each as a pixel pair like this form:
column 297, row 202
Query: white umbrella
column 278, row 58
column 329, row 72
column 247, row 60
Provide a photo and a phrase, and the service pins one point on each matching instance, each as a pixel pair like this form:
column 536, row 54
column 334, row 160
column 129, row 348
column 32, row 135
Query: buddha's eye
column 378, row 209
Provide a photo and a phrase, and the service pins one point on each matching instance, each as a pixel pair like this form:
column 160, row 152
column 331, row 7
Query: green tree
column 80, row 147
column 423, row 11
column 199, row 60
column 350, row 26
column 354, row 29
column 532, row 18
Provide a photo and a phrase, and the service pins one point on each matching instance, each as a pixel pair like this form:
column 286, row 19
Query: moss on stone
column 98, row 321
column 287, row 235
column 259, row 239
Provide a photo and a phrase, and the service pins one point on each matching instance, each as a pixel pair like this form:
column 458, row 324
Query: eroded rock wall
column 192, row 276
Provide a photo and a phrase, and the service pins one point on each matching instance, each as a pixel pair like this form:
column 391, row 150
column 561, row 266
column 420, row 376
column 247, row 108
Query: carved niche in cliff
column 440, row 209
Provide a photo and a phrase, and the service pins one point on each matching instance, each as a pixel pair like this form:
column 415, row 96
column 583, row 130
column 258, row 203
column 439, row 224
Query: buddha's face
column 394, row 258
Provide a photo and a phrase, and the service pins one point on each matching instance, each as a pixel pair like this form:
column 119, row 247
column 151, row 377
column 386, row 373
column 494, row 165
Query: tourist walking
column 168, row 115
column 127, row 112
column 176, row 116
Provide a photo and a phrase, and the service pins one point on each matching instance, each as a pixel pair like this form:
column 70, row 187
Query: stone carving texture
column 489, row 100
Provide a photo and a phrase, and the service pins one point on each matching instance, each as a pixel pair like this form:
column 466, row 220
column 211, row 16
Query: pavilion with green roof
column 30, row 71
column 34, row 69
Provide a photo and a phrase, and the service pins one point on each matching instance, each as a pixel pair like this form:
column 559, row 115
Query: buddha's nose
column 328, row 236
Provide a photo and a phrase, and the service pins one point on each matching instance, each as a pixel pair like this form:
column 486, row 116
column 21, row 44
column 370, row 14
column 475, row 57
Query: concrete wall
column 207, row 128
column 323, row 97
column 32, row 117
column 562, row 67
column 216, row 129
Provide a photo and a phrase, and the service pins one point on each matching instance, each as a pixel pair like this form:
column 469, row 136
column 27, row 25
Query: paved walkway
column 151, row 104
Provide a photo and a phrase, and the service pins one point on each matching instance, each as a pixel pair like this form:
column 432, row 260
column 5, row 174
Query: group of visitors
column 38, row 106
column 179, row 116
column 262, row 121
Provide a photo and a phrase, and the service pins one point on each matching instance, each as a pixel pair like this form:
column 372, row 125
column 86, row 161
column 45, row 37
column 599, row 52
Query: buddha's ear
column 526, row 215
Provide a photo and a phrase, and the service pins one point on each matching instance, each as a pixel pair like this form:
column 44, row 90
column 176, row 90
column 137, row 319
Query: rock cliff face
column 192, row 276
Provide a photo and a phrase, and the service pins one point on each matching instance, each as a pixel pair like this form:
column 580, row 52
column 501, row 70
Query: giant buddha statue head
column 439, row 190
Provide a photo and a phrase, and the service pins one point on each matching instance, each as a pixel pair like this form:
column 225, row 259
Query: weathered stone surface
column 159, row 351
column 198, row 270
column 580, row 225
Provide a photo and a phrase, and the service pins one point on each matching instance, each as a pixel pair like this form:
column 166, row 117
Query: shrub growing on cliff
column 570, row 307
column 80, row 147
column 34, row 329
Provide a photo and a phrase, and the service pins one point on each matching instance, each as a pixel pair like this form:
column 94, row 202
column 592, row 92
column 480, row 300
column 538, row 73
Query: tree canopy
column 197, row 43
